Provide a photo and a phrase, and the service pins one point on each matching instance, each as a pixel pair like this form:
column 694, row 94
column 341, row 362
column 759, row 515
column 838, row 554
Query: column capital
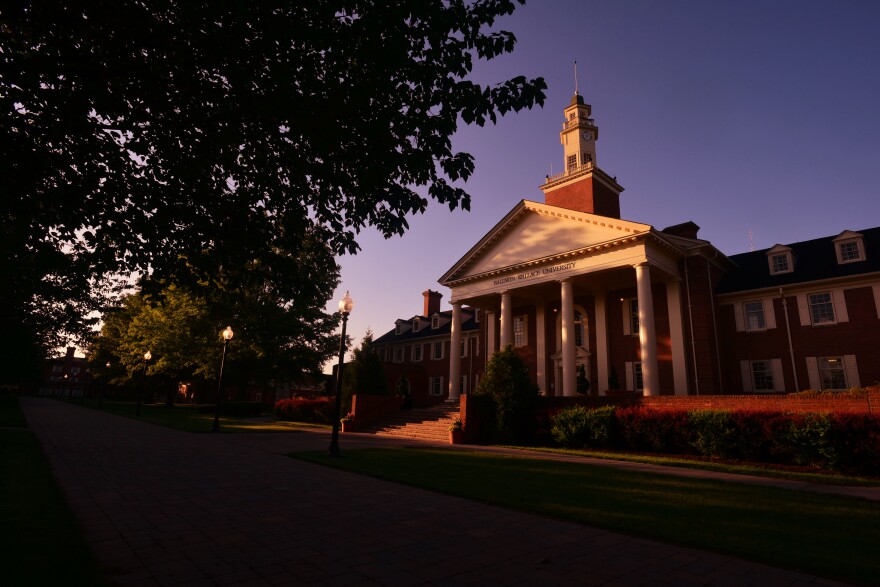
column 644, row 263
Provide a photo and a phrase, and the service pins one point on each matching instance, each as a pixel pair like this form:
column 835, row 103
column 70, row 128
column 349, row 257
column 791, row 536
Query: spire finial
column 575, row 76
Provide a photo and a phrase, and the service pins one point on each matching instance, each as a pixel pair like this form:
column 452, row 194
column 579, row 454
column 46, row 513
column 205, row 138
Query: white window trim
column 440, row 387
column 525, row 331
column 630, row 368
column 415, row 325
column 839, row 252
column 442, row 350
column 399, row 352
column 748, row 375
column 838, row 302
column 435, row 321
column 777, row 251
column 850, row 371
column 739, row 314
column 421, row 356
column 628, row 316
column 464, row 347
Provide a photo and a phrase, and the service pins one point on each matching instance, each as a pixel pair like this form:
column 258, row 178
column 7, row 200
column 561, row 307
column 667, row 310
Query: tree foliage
column 364, row 373
column 514, row 395
column 178, row 139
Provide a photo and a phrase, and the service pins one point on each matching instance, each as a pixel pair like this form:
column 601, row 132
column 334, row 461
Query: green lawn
column 42, row 544
column 186, row 418
column 829, row 536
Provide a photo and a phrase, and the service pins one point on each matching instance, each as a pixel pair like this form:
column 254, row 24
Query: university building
column 571, row 285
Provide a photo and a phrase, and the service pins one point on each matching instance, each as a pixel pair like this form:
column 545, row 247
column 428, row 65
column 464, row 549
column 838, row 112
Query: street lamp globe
column 148, row 355
column 227, row 334
column 346, row 304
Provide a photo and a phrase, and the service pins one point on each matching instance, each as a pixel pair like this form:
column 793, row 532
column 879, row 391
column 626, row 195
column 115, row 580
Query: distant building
column 568, row 283
column 66, row 376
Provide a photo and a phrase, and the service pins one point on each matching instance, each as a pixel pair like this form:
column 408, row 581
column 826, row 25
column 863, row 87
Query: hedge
column 316, row 411
column 848, row 442
column 235, row 409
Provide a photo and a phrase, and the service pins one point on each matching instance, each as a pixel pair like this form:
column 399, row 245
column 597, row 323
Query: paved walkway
column 162, row 507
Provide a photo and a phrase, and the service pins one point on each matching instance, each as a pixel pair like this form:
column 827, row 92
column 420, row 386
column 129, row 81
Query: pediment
column 533, row 231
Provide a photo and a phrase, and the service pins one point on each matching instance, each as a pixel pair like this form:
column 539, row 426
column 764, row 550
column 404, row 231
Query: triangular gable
column 533, row 231
column 846, row 235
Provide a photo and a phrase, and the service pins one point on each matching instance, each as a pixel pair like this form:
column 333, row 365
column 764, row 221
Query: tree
column 364, row 373
column 513, row 394
column 176, row 139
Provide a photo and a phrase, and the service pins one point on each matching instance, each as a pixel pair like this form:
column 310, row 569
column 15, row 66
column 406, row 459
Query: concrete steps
column 422, row 423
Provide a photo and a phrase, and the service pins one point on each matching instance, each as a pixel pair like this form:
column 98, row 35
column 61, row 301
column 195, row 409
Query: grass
column 768, row 470
column 41, row 543
column 186, row 418
column 825, row 535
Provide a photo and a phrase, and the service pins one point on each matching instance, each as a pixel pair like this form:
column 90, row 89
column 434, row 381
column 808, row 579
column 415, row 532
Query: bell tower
column 582, row 186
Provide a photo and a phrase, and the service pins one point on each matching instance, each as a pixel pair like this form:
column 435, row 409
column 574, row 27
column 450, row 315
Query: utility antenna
column 575, row 76
column 751, row 242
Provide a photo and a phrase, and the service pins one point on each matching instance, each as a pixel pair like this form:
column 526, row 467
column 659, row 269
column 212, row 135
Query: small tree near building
column 513, row 394
column 364, row 373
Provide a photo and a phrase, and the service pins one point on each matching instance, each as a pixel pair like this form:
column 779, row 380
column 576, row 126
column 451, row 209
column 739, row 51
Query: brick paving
column 163, row 507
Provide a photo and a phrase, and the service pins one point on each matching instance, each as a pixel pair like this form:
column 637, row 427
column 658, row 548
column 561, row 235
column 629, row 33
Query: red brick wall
column 586, row 195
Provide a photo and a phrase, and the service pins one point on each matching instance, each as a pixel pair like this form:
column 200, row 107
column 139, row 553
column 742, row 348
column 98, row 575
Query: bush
column 315, row 411
column 714, row 435
column 235, row 409
column 810, row 438
column 857, row 440
column 667, row 431
column 760, row 436
column 508, row 383
column 580, row 427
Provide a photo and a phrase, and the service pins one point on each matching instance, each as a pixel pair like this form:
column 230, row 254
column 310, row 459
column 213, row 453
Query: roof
column 814, row 260
column 468, row 324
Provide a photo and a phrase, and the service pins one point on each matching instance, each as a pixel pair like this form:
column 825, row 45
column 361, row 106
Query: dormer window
column 849, row 247
column 435, row 321
column 477, row 315
column 416, row 324
column 780, row 260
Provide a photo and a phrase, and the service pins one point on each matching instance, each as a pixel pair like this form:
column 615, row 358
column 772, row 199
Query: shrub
column 809, row 436
column 643, row 429
column 714, row 435
column 857, row 440
column 580, row 427
column 316, row 411
column 515, row 397
column 760, row 436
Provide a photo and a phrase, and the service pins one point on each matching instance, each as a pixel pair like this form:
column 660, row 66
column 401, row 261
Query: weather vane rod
column 575, row 76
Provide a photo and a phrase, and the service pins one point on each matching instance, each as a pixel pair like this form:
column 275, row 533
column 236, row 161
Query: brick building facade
column 570, row 285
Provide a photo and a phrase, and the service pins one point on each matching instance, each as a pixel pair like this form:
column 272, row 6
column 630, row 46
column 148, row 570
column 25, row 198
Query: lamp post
column 346, row 304
column 104, row 386
column 147, row 356
column 227, row 336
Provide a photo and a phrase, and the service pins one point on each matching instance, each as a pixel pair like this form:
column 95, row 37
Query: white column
column 491, row 348
column 569, row 372
column 506, row 320
column 647, row 331
column 601, row 386
column 455, row 353
column 541, row 350
column 676, row 336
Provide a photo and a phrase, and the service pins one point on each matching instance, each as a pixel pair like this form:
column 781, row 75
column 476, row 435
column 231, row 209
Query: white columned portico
column 676, row 336
column 601, row 386
column 506, row 319
column 455, row 353
column 569, row 370
column 647, row 331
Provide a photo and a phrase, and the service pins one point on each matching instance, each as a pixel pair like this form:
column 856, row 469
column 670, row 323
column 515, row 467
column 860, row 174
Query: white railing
column 570, row 171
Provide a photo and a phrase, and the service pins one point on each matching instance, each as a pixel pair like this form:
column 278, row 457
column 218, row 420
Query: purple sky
column 748, row 115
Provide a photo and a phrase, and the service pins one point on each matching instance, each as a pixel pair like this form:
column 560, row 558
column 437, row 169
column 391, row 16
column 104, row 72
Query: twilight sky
column 759, row 116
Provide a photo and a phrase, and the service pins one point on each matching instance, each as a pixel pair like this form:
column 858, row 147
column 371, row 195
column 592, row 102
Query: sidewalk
column 163, row 507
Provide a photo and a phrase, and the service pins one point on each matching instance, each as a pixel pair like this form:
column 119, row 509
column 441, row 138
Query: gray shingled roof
column 814, row 260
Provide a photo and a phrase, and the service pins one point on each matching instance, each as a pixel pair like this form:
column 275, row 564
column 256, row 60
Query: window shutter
column 813, row 373
column 778, row 376
column 839, row 299
column 630, row 380
column 627, row 323
column 769, row 313
column 876, row 289
column 804, row 310
column 745, row 368
column 738, row 317
column 852, row 370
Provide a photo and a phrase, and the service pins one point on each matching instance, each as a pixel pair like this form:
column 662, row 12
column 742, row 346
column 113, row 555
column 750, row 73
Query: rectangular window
column 417, row 352
column 587, row 158
column 415, row 325
column 398, row 355
column 780, row 263
column 437, row 350
column 572, row 161
column 762, row 376
column 832, row 373
column 435, row 321
column 754, row 315
column 821, row 308
column 436, row 386
column 634, row 317
column 462, row 384
column 463, row 348
column 519, row 331
column 849, row 251
column 637, row 377
column 477, row 315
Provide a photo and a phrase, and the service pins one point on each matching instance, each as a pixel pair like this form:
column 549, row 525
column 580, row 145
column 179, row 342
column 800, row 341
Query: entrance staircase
column 421, row 423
